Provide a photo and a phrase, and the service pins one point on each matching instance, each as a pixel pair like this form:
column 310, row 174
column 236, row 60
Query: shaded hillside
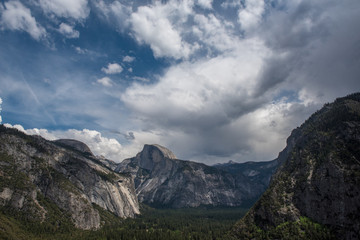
column 256, row 172
column 40, row 180
column 162, row 180
column 315, row 194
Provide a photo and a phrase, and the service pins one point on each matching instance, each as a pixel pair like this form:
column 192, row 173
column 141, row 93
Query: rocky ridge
column 34, row 170
column 162, row 180
column 318, row 183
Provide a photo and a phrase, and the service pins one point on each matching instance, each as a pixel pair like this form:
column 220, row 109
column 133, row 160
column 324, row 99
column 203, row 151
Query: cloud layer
column 211, row 80
column 232, row 105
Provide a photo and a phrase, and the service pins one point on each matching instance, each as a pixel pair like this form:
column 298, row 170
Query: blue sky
column 210, row 80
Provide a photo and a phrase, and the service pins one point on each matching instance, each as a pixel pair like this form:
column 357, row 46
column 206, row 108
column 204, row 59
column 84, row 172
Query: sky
column 212, row 80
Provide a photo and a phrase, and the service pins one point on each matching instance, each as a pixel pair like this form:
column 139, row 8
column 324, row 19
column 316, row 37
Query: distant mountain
column 257, row 172
column 315, row 194
column 164, row 181
column 46, row 181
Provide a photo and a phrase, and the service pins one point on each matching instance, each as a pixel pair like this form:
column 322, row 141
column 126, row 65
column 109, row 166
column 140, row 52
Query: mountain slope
column 319, row 181
column 36, row 173
column 83, row 149
column 162, row 180
column 256, row 172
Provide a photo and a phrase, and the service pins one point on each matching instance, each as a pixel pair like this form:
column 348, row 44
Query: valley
column 60, row 190
column 205, row 223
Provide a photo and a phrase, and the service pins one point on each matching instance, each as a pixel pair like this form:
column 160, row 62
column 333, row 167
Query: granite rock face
column 76, row 145
column 162, row 180
column 319, row 178
column 32, row 168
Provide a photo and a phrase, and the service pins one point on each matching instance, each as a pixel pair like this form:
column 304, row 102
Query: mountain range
column 163, row 180
column 311, row 191
column 36, row 173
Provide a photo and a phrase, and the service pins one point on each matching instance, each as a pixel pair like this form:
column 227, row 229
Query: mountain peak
column 75, row 144
column 163, row 150
column 153, row 154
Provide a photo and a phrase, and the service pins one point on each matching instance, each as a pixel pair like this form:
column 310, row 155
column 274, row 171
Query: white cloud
column 76, row 9
column 68, row 31
column 112, row 68
column 15, row 16
column 215, row 33
column 99, row 145
column 128, row 59
column 105, row 81
column 153, row 25
column 16, row 126
column 250, row 16
column 116, row 13
column 108, row 147
column 216, row 87
column 231, row 4
column 207, row 4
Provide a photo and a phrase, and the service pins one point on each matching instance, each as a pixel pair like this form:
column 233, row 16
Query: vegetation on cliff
column 315, row 194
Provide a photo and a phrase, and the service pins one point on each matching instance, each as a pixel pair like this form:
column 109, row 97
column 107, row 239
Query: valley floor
column 190, row 224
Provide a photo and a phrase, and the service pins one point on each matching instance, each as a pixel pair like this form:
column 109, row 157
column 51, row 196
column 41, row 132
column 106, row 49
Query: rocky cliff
column 82, row 148
column 36, row 173
column 162, row 180
column 258, row 173
column 315, row 194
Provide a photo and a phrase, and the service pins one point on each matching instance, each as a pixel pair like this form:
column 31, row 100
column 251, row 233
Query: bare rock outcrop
column 32, row 168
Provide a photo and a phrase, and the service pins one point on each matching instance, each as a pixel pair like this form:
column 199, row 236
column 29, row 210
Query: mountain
column 257, row 172
column 75, row 145
column 315, row 194
column 40, row 179
column 84, row 149
column 163, row 180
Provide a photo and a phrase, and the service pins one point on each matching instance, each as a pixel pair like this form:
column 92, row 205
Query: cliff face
column 319, row 179
column 32, row 168
column 258, row 173
column 162, row 180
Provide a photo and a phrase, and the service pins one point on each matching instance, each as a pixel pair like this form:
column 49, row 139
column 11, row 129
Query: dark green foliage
column 110, row 177
column 154, row 224
column 304, row 229
column 12, row 178
column 191, row 223
column 16, row 224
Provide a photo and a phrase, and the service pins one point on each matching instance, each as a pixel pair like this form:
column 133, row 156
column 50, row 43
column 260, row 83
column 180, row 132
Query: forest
column 202, row 223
